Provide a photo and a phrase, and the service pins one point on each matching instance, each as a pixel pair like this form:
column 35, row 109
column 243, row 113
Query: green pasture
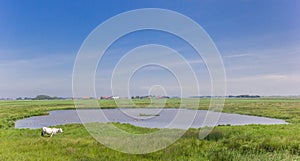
column 251, row 142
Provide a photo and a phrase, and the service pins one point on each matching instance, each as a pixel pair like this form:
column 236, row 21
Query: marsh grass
column 250, row 142
column 144, row 114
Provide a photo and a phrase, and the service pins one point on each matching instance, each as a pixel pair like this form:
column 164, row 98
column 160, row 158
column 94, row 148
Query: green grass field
column 251, row 142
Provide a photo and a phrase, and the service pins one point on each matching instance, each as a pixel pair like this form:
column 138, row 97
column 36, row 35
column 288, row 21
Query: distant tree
column 44, row 97
column 19, row 98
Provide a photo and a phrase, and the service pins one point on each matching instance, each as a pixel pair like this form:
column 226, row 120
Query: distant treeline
column 46, row 97
column 244, row 96
column 230, row 96
column 150, row 96
column 40, row 97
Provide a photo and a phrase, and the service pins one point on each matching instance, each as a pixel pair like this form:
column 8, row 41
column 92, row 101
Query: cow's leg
column 42, row 133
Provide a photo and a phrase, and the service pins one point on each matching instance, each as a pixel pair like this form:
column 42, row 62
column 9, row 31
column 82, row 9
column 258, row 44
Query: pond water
column 145, row 117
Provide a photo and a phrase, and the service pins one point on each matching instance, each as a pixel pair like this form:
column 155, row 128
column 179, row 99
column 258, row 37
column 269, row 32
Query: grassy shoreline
column 279, row 108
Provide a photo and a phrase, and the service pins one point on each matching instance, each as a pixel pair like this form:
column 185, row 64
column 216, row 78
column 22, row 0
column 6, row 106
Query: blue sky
column 259, row 42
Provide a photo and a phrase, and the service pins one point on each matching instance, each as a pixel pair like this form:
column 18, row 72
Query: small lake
column 143, row 117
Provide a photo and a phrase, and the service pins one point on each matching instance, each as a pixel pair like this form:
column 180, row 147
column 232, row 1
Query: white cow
column 51, row 131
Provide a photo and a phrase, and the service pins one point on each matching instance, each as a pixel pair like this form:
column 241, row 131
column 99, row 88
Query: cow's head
column 60, row 130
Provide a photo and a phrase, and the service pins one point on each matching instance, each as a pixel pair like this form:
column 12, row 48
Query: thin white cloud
column 266, row 77
column 29, row 77
column 265, row 84
column 238, row 55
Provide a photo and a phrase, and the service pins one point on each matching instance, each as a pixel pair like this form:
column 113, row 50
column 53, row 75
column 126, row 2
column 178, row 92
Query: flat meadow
column 249, row 142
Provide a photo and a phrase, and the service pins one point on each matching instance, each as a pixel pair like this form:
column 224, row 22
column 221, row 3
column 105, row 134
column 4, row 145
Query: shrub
column 270, row 145
column 295, row 149
column 215, row 135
